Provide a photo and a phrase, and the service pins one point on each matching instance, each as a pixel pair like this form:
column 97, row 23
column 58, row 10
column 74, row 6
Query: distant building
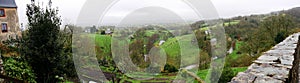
column 9, row 22
column 91, row 29
column 108, row 31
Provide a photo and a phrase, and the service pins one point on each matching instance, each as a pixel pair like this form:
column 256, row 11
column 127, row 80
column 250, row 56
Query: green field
column 165, row 78
column 173, row 48
column 103, row 44
column 203, row 73
column 234, row 55
column 181, row 47
column 234, row 22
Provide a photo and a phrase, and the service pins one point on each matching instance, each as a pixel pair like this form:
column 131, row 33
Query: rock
column 267, row 80
column 243, row 78
column 286, row 60
column 268, row 58
column 260, row 62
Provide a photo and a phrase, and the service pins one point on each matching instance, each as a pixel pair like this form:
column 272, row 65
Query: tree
column 137, row 49
column 277, row 26
column 280, row 36
column 42, row 46
column 227, row 74
column 151, row 40
column 271, row 31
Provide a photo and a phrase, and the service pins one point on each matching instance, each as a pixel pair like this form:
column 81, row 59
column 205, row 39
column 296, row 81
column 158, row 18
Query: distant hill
column 294, row 12
column 254, row 19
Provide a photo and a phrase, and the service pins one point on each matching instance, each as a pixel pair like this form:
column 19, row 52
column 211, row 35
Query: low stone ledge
column 272, row 66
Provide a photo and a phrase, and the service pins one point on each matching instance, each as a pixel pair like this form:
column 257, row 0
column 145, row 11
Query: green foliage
column 234, row 22
column 204, row 62
column 242, row 60
column 236, row 70
column 270, row 31
column 201, row 38
column 137, row 53
column 235, row 54
column 19, row 69
column 170, row 68
column 43, row 46
column 103, row 46
column 227, row 74
column 171, row 47
column 280, row 36
column 277, row 26
column 203, row 73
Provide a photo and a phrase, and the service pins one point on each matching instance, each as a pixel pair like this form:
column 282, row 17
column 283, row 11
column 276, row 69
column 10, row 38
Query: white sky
column 70, row 9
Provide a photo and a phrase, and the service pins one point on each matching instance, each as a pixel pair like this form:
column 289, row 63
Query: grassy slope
column 103, row 42
column 203, row 73
column 234, row 22
column 172, row 48
column 181, row 46
column 234, row 54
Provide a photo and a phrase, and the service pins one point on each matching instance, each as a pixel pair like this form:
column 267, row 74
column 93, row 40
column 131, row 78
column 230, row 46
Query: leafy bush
column 242, row 60
column 170, row 68
column 280, row 37
column 204, row 60
column 16, row 68
column 226, row 75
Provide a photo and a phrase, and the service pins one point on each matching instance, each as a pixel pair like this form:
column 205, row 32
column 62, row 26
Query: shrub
column 280, row 37
column 242, row 61
column 226, row 75
column 18, row 69
column 170, row 68
column 204, row 60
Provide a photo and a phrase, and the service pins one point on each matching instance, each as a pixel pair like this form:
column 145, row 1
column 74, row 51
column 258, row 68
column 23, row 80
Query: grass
column 234, row 55
column 234, row 22
column 178, row 46
column 165, row 78
column 203, row 73
column 150, row 32
column 204, row 29
column 103, row 45
column 173, row 47
column 173, row 50
column 239, row 69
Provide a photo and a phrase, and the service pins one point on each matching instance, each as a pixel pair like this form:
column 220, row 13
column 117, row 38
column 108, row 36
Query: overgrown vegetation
column 18, row 69
column 44, row 53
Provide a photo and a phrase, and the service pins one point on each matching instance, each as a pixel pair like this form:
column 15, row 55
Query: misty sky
column 70, row 9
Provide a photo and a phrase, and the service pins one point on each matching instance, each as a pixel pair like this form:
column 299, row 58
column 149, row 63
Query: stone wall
column 272, row 66
column 294, row 72
column 12, row 20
